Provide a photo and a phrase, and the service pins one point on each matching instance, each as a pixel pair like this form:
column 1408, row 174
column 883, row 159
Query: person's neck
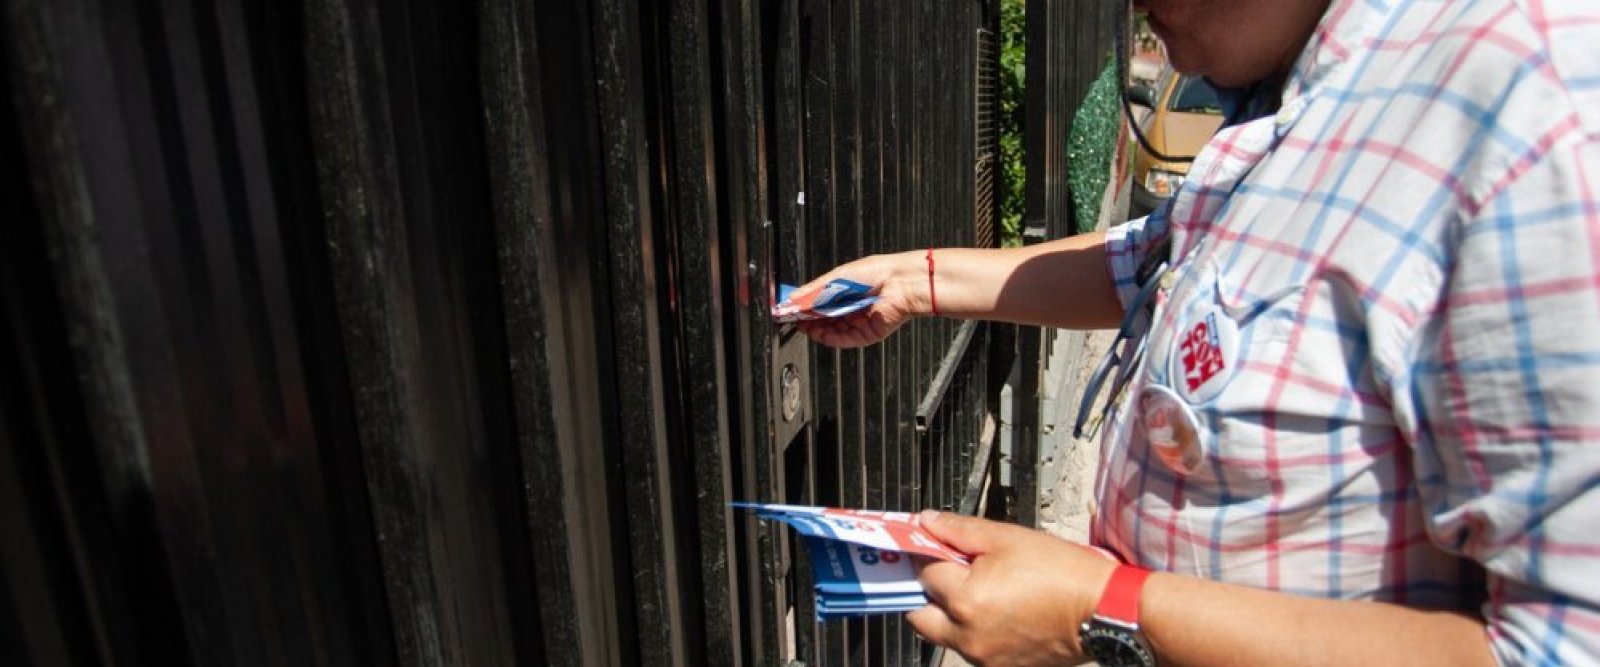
column 1312, row 17
column 1250, row 102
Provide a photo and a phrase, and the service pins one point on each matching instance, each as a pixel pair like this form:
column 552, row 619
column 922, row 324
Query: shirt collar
column 1345, row 29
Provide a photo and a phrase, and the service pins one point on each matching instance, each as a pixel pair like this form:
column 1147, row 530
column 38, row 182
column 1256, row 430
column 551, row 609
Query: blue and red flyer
column 835, row 299
column 861, row 559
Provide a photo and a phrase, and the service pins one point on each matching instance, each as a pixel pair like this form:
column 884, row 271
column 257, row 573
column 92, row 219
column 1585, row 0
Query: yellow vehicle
column 1184, row 113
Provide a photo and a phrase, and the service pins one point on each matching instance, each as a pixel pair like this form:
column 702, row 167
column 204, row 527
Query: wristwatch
column 1112, row 636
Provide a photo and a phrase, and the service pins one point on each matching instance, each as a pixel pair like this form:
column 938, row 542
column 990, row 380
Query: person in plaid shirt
column 1362, row 421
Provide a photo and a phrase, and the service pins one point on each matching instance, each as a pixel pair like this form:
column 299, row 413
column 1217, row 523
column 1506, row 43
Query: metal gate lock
column 789, row 385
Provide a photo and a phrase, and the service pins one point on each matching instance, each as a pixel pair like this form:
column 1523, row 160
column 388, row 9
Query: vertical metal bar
column 636, row 356
column 1041, row 164
column 935, row 154
column 225, row 115
column 877, row 440
column 700, row 298
column 747, row 235
column 595, row 507
column 60, row 78
column 785, row 149
column 354, row 578
column 924, row 148
column 845, row 55
column 904, row 216
column 426, row 400
column 358, row 197
column 817, row 89
column 951, row 170
column 94, row 223
column 38, row 625
column 785, row 158
column 571, row 626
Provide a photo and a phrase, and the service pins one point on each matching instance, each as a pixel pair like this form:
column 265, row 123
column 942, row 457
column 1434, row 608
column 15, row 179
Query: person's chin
column 1183, row 61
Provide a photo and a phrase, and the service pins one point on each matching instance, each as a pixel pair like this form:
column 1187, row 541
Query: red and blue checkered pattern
column 1410, row 249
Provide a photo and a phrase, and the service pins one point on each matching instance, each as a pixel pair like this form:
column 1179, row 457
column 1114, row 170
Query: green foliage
column 1013, row 72
column 1091, row 142
column 1090, row 147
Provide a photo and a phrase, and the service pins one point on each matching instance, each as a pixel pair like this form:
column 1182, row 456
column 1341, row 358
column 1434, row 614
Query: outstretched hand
column 1020, row 601
column 899, row 300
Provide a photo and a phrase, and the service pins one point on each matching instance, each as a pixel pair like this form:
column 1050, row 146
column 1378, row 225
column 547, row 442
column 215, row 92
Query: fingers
column 858, row 329
column 934, row 625
column 838, row 334
column 866, row 270
column 969, row 535
column 818, row 282
column 942, row 579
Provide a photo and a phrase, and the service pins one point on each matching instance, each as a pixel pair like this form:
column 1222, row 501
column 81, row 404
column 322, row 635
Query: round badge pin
column 1205, row 356
column 1171, row 428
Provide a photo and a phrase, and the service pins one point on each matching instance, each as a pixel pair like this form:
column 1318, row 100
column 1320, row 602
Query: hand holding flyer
column 836, row 299
column 860, row 559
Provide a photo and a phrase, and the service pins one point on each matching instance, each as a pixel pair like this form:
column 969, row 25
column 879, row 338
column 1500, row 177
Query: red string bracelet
column 933, row 299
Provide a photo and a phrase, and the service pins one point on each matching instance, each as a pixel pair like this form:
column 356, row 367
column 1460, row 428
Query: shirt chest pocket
column 1212, row 363
column 1209, row 331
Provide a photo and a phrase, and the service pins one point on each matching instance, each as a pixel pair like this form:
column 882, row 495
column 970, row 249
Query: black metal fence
column 1068, row 43
column 358, row 332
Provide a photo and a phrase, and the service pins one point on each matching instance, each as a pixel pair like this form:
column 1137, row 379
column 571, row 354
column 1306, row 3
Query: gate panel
column 400, row 333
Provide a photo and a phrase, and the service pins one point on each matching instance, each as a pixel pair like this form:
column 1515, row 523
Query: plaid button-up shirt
column 1392, row 286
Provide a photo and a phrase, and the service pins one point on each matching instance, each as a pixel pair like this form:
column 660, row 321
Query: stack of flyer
column 860, row 559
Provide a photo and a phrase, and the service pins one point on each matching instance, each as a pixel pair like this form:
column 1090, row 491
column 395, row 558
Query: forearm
column 1192, row 621
column 1062, row 283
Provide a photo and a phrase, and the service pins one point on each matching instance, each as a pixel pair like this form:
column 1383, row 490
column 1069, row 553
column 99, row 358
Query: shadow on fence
column 345, row 332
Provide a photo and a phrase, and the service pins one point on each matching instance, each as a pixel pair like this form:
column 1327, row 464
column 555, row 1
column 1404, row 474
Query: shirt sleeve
column 1127, row 246
column 1505, row 402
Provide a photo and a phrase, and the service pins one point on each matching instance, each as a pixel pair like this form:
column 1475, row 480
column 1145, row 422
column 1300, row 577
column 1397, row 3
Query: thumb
column 969, row 535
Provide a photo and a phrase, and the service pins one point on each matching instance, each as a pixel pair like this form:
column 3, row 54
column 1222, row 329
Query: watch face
column 1115, row 647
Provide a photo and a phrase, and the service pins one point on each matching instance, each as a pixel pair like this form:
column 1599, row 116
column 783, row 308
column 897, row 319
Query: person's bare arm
column 1192, row 621
column 1062, row 283
column 1026, row 592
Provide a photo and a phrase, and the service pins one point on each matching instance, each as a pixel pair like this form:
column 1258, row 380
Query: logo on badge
column 1205, row 356
column 1202, row 353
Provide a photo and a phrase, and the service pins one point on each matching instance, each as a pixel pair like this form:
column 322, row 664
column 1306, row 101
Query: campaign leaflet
column 860, row 559
column 836, row 299
column 852, row 580
column 889, row 531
